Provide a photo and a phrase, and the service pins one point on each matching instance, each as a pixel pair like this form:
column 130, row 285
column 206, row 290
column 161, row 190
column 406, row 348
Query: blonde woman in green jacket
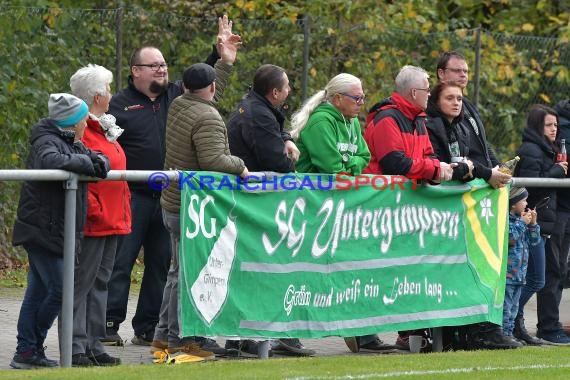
column 327, row 129
column 330, row 141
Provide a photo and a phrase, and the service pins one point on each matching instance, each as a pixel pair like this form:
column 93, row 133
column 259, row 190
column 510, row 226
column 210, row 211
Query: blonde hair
column 340, row 83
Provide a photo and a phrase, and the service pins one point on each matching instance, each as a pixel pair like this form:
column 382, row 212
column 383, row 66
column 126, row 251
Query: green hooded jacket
column 329, row 143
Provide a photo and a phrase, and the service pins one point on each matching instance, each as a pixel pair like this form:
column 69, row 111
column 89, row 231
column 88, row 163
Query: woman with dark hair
column 538, row 159
column 450, row 140
column 448, row 137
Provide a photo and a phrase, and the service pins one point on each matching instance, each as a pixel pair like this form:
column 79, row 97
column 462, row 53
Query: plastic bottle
column 509, row 166
column 561, row 156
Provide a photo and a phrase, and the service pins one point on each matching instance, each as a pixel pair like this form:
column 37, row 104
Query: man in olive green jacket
column 196, row 140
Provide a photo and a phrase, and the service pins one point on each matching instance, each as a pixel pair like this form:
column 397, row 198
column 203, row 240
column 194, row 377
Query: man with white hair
column 399, row 143
column 397, row 124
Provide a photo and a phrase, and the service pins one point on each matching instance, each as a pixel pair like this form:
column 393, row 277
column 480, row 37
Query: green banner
column 311, row 256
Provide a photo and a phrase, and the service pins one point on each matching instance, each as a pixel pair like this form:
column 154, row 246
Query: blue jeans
column 148, row 231
column 42, row 301
column 534, row 275
column 511, row 307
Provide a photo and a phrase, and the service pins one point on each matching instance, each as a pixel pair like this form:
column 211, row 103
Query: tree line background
column 517, row 52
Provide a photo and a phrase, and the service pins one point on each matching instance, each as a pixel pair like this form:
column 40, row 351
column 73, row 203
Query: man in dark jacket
column 141, row 109
column 256, row 135
column 39, row 227
column 255, row 128
column 452, row 66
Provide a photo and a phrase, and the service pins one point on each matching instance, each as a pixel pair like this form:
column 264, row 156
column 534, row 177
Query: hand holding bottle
column 498, row 178
column 564, row 166
column 561, row 156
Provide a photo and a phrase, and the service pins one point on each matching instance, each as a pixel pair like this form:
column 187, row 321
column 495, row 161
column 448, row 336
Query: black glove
column 100, row 164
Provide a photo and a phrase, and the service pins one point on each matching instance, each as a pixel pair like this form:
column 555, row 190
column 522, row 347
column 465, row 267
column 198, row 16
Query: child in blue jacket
column 523, row 233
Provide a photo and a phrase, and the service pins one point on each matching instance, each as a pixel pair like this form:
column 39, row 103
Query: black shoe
column 41, row 352
column 522, row 334
column 375, row 345
column 144, row 339
column 492, row 340
column 112, row 337
column 210, row 345
column 291, row 347
column 104, row 359
column 246, row 348
column 556, row 338
column 81, row 360
column 30, row 359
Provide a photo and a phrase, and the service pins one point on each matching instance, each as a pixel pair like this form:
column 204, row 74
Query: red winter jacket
column 398, row 140
column 108, row 202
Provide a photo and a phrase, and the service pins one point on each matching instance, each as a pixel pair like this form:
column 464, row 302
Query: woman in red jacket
column 108, row 217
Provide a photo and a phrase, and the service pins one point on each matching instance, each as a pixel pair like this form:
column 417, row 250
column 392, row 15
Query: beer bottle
column 509, row 166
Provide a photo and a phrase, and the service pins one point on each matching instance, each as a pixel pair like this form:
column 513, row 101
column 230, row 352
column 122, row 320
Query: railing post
column 66, row 340
column 306, row 49
column 118, row 48
column 477, row 76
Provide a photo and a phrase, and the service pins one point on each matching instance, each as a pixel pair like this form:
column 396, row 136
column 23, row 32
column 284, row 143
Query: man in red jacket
column 397, row 138
column 396, row 133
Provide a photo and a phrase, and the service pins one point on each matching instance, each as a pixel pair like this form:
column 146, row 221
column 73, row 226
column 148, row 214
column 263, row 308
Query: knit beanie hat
column 516, row 194
column 66, row 110
column 198, row 76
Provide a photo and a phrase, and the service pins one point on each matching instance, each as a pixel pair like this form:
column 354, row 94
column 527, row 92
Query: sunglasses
column 356, row 98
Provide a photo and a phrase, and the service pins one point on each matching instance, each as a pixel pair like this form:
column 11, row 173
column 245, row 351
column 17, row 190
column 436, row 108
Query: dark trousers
column 42, row 300
column 148, row 232
column 548, row 298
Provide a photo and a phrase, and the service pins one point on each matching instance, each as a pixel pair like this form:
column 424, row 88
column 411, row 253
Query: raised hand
column 225, row 33
column 228, row 43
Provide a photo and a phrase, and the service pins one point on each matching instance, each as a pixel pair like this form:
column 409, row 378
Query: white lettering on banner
column 197, row 218
column 211, row 287
column 296, row 298
column 323, row 300
column 349, row 294
column 286, row 230
column 303, row 297
column 412, row 288
column 383, row 223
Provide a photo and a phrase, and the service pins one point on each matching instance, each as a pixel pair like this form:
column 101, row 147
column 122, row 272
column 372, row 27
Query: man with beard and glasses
column 141, row 109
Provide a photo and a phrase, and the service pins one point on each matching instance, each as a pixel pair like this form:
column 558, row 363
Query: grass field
column 545, row 362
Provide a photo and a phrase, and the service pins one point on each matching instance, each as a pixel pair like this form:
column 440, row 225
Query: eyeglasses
column 356, row 98
column 423, row 89
column 457, row 71
column 154, row 66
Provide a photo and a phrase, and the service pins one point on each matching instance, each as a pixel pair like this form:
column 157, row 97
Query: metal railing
column 71, row 181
